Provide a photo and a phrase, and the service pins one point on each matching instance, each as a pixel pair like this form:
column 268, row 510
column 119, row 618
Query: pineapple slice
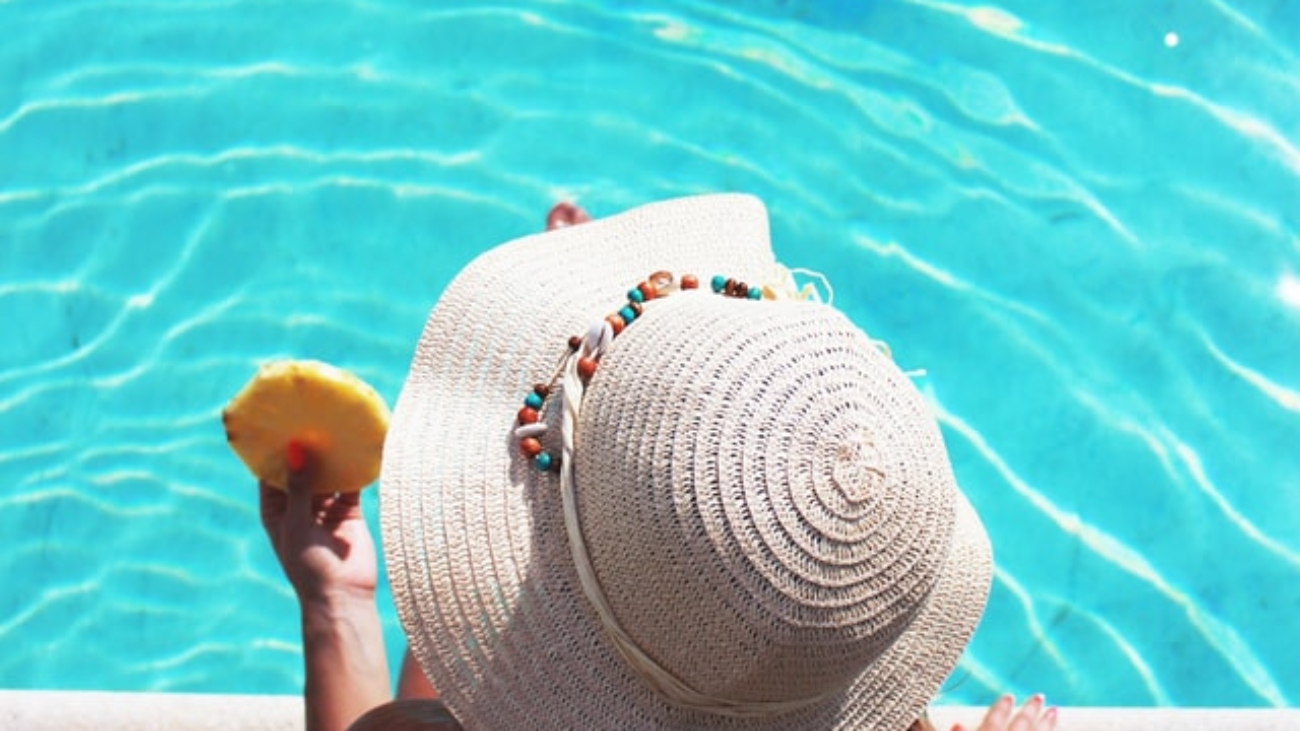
column 296, row 406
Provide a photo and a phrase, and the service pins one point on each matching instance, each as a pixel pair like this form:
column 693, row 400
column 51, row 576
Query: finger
column 996, row 718
column 272, row 502
column 325, row 502
column 299, row 499
column 1026, row 719
column 335, row 509
column 1048, row 722
column 346, row 505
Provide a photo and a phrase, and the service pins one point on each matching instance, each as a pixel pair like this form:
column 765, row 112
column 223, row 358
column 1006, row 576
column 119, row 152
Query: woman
column 737, row 515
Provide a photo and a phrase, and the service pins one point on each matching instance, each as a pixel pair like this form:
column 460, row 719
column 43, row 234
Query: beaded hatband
column 576, row 368
column 589, row 349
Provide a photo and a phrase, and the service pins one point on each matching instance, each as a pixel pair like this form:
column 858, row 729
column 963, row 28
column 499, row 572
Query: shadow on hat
column 737, row 513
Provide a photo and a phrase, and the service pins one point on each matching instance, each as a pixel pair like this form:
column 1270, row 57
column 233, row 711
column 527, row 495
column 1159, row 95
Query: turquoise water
column 1084, row 223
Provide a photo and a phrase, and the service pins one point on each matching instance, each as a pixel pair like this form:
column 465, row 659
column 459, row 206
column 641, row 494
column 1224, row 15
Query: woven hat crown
column 765, row 498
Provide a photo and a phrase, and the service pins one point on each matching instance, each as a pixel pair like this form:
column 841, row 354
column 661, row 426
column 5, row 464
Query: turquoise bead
column 719, row 283
column 635, row 295
column 755, row 293
column 533, row 401
column 543, row 461
column 628, row 314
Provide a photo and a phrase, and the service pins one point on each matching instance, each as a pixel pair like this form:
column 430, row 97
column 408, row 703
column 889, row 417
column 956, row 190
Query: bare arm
column 346, row 667
column 327, row 554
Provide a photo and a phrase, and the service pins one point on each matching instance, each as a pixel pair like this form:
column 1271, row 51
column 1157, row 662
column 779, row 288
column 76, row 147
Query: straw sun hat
column 748, row 519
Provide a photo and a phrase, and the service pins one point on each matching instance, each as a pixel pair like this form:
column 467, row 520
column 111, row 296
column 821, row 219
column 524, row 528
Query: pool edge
column 1143, row 719
column 38, row 710
column 42, row 710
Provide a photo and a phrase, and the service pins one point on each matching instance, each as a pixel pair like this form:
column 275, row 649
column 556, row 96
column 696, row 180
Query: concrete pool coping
column 39, row 710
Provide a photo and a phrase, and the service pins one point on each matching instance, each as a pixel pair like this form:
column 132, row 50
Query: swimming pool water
column 1082, row 220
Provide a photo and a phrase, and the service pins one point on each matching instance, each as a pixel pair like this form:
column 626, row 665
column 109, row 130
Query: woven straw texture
column 765, row 499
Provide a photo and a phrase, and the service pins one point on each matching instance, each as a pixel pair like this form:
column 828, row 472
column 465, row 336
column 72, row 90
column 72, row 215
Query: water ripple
column 1084, row 233
column 1029, row 605
column 1007, row 26
column 1223, row 637
column 189, row 163
column 1133, row 655
column 1193, row 467
column 65, row 496
column 950, row 281
column 1286, row 398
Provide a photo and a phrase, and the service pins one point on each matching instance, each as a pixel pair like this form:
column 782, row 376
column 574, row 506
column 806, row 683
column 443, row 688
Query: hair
column 407, row 715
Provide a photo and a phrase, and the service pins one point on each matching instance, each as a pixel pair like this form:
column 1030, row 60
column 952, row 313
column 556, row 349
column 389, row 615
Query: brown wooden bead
column 586, row 368
column 615, row 323
column 575, row 342
column 530, row 446
column 528, row 415
column 660, row 279
column 637, row 307
column 648, row 291
column 690, row 281
column 541, row 389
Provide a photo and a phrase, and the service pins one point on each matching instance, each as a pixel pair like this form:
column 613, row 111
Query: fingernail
column 1038, row 698
column 1050, row 718
column 1007, row 700
column 296, row 455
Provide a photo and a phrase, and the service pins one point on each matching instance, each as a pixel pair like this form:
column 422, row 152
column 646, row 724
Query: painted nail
column 296, row 455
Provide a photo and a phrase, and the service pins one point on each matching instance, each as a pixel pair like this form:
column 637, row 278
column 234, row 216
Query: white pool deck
column 73, row 711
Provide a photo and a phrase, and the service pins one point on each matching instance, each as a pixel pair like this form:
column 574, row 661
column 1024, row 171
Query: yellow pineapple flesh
column 302, row 405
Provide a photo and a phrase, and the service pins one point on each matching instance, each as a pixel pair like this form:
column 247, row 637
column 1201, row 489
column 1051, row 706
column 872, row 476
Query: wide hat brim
column 481, row 571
